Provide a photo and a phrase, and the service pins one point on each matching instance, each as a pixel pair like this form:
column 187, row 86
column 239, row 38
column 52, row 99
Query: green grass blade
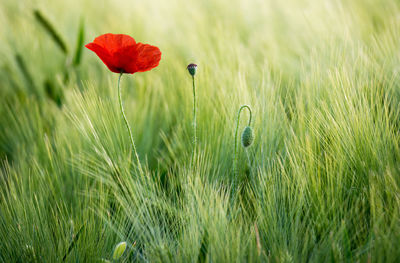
column 53, row 92
column 73, row 242
column 202, row 257
column 24, row 70
column 79, row 44
column 49, row 28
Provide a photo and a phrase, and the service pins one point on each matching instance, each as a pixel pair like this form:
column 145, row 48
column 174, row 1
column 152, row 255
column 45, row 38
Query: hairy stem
column 248, row 159
column 194, row 117
column 127, row 124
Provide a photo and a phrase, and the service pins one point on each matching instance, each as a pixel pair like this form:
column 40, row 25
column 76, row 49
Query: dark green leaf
column 51, row 31
column 24, row 70
column 79, row 44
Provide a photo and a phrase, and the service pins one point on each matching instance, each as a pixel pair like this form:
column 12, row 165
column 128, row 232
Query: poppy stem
column 248, row 159
column 194, row 118
column 127, row 124
column 236, row 134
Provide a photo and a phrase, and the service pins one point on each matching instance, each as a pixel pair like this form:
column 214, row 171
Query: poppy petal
column 126, row 58
column 104, row 55
column 121, row 53
column 113, row 42
column 148, row 57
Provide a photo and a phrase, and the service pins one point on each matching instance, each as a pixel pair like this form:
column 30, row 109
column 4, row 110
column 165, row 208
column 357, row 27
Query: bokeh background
column 320, row 182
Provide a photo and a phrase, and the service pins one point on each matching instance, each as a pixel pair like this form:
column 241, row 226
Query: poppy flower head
column 121, row 54
column 192, row 69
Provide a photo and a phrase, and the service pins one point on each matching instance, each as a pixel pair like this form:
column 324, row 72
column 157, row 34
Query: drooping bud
column 192, row 69
column 119, row 250
column 247, row 136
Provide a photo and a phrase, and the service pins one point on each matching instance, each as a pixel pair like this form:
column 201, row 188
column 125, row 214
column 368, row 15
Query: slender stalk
column 236, row 134
column 194, row 118
column 248, row 158
column 127, row 124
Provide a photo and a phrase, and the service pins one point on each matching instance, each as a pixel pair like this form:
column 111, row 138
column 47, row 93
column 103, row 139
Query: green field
column 320, row 183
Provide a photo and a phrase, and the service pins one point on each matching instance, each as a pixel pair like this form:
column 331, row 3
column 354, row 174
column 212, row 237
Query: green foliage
column 24, row 71
column 79, row 44
column 322, row 183
column 51, row 31
column 119, row 250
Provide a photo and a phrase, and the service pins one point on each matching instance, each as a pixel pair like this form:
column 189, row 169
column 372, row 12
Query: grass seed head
column 119, row 250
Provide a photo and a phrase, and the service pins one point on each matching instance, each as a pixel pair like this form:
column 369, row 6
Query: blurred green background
column 320, row 182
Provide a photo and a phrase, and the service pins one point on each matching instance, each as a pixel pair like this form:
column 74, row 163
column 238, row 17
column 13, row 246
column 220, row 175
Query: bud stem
column 194, row 118
column 236, row 134
column 248, row 159
column 127, row 124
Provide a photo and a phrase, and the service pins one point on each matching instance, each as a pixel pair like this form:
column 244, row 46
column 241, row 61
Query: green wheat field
column 320, row 182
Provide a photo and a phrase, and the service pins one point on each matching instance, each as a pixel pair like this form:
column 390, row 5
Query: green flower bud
column 119, row 250
column 247, row 136
column 192, row 69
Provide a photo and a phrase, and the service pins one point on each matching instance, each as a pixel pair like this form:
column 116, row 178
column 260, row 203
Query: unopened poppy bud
column 247, row 136
column 192, row 69
column 119, row 250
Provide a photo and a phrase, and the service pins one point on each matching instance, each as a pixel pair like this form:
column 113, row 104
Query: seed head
column 119, row 250
column 192, row 69
column 247, row 136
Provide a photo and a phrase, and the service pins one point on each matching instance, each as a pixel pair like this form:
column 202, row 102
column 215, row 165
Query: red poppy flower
column 122, row 54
